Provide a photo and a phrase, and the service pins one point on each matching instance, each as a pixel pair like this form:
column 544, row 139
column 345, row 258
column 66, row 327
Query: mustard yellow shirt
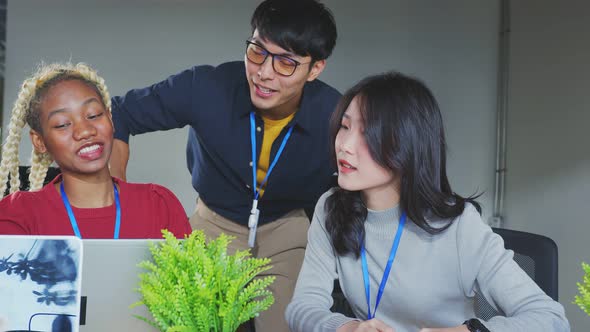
column 272, row 129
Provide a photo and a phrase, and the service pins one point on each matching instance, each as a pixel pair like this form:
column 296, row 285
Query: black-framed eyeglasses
column 282, row 65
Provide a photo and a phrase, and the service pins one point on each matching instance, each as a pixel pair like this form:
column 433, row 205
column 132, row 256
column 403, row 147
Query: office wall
column 548, row 179
column 452, row 45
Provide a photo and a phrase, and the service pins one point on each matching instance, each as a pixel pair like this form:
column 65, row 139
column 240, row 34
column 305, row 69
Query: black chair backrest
column 543, row 253
column 536, row 255
column 23, row 173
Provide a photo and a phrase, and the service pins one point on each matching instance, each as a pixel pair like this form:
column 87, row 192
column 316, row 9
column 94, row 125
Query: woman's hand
column 372, row 325
column 461, row 328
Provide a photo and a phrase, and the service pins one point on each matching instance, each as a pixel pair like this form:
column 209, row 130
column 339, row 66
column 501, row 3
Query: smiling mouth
column 263, row 90
column 89, row 149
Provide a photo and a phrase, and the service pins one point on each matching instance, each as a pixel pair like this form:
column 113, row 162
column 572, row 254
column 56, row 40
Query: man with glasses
column 258, row 139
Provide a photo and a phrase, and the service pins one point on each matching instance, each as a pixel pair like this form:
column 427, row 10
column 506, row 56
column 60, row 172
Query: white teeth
column 89, row 149
column 264, row 90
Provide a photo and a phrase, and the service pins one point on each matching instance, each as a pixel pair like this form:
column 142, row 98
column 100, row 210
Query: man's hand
column 119, row 159
column 372, row 325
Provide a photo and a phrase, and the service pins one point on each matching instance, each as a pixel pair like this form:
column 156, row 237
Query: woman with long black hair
column 410, row 254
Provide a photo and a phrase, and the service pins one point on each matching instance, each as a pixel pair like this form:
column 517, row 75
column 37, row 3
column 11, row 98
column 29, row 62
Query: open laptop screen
column 40, row 283
column 109, row 280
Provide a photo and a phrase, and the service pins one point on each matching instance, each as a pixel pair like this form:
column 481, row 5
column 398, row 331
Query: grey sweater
column 432, row 282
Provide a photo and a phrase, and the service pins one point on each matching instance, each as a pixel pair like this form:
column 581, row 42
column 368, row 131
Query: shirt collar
column 304, row 116
column 58, row 177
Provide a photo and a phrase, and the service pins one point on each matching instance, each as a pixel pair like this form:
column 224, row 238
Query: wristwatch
column 474, row 325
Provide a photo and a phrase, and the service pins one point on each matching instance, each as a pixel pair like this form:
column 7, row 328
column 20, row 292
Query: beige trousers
column 283, row 241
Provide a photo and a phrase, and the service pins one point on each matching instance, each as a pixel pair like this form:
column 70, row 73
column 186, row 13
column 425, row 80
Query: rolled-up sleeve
column 165, row 105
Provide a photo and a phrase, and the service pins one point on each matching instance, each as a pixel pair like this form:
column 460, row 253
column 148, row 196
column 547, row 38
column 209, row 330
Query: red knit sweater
column 145, row 210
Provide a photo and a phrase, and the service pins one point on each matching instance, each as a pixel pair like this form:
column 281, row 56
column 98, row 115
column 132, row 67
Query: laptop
column 40, row 283
column 109, row 282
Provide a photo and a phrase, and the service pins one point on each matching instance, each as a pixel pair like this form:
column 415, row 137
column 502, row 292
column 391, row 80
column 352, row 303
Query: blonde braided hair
column 26, row 109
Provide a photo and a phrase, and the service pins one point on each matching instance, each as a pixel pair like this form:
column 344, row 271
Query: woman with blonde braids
column 67, row 108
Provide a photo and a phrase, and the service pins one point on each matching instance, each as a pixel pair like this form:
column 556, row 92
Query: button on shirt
column 215, row 103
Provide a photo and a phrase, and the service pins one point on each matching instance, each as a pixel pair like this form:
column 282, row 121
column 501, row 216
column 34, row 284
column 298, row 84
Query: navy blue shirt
column 215, row 103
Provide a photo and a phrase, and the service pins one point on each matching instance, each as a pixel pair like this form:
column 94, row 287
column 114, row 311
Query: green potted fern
column 583, row 300
column 195, row 285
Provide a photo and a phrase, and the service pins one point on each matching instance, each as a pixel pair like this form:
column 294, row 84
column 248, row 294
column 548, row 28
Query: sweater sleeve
column 309, row 310
column 171, row 214
column 162, row 106
column 488, row 268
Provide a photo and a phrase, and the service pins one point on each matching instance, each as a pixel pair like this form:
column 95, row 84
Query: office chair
column 23, row 173
column 536, row 255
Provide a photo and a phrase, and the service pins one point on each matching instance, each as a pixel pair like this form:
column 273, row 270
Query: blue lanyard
column 274, row 162
column 64, row 198
column 398, row 235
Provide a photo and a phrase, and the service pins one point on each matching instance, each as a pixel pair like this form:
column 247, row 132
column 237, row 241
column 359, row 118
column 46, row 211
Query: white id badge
column 253, row 223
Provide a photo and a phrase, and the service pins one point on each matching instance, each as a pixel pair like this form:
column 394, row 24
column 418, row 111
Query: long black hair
column 404, row 132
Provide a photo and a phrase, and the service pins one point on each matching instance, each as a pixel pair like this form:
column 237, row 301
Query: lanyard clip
column 253, row 223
